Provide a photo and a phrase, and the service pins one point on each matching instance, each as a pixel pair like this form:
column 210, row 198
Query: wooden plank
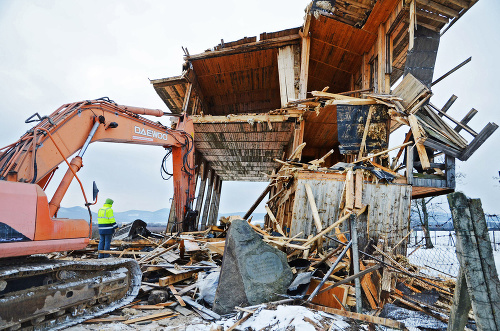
column 441, row 147
column 106, row 319
column 416, row 131
column 351, row 278
column 304, row 61
column 176, row 295
column 207, row 311
column 147, row 307
column 150, row 317
column 358, row 192
column 465, row 127
column 409, row 165
column 383, row 152
column 326, row 296
column 286, row 75
column 448, row 104
column 325, row 231
column 356, row 262
column 187, row 97
column 365, row 133
column 249, row 47
column 349, row 190
column 439, row 7
column 485, row 133
column 257, row 202
column 360, row 317
column 413, row 24
column 165, row 281
column 314, row 208
column 208, row 198
column 369, row 289
column 450, row 171
column 201, row 191
column 240, row 321
column 466, row 119
column 273, row 219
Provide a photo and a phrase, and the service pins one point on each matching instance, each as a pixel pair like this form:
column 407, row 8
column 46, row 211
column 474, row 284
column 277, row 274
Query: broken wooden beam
column 416, row 130
column 258, row 201
column 339, row 258
column 485, row 133
column 360, row 317
column 169, row 280
column 196, row 305
column 451, row 71
column 353, row 277
column 150, row 317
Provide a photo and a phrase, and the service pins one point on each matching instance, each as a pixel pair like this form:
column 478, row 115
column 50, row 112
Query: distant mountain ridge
column 159, row 216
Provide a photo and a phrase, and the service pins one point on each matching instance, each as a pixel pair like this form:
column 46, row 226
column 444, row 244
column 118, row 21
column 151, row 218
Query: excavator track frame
column 41, row 294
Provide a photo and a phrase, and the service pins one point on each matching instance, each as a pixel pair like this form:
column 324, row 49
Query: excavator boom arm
column 35, row 156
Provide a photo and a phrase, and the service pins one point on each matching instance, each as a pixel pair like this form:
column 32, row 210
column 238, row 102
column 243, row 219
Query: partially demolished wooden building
column 288, row 106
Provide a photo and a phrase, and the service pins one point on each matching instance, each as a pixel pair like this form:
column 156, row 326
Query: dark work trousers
column 104, row 244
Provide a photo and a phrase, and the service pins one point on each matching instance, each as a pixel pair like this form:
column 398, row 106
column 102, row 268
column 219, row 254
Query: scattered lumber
column 360, row 317
column 150, row 317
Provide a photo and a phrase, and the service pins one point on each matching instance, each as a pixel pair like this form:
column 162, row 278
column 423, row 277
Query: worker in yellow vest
column 107, row 226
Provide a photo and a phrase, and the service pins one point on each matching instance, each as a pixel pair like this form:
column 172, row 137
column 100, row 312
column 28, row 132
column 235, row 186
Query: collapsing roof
column 250, row 88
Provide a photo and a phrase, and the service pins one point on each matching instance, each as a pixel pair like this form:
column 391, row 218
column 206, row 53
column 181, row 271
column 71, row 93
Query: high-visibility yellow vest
column 105, row 215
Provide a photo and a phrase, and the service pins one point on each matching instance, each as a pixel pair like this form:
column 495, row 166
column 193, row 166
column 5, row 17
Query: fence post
column 476, row 262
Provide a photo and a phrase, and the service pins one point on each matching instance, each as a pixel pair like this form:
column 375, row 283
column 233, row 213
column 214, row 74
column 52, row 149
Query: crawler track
column 38, row 294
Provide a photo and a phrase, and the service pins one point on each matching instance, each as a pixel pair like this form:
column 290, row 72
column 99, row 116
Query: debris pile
column 183, row 282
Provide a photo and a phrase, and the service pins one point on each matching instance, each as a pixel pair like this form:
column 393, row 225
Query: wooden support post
column 213, row 202
column 476, row 258
column 304, row 64
column 204, row 173
column 355, row 261
column 187, row 97
column 217, row 204
column 349, row 190
column 171, row 217
column 413, row 24
column 298, row 136
column 208, row 199
column 450, row 171
column 409, row 165
column 381, row 51
column 358, row 191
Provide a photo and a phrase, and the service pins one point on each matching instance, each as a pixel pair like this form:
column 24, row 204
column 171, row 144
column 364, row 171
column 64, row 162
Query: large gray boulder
column 252, row 271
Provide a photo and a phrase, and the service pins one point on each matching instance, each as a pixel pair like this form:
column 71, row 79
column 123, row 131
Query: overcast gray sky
column 56, row 52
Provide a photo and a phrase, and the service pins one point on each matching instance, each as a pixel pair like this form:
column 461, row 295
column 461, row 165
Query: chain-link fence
column 439, row 257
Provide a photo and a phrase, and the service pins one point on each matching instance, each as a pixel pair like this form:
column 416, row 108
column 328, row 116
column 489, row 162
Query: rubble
column 391, row 287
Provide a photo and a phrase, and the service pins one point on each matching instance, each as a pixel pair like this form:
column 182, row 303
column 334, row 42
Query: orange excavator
column 39, row 293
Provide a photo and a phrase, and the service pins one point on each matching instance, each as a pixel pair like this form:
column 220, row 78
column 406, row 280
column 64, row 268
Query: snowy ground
column 279, row 318
column 443, row 257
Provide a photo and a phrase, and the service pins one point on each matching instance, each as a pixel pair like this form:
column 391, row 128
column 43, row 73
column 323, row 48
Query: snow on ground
column 278, row 318
column 443, row 256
